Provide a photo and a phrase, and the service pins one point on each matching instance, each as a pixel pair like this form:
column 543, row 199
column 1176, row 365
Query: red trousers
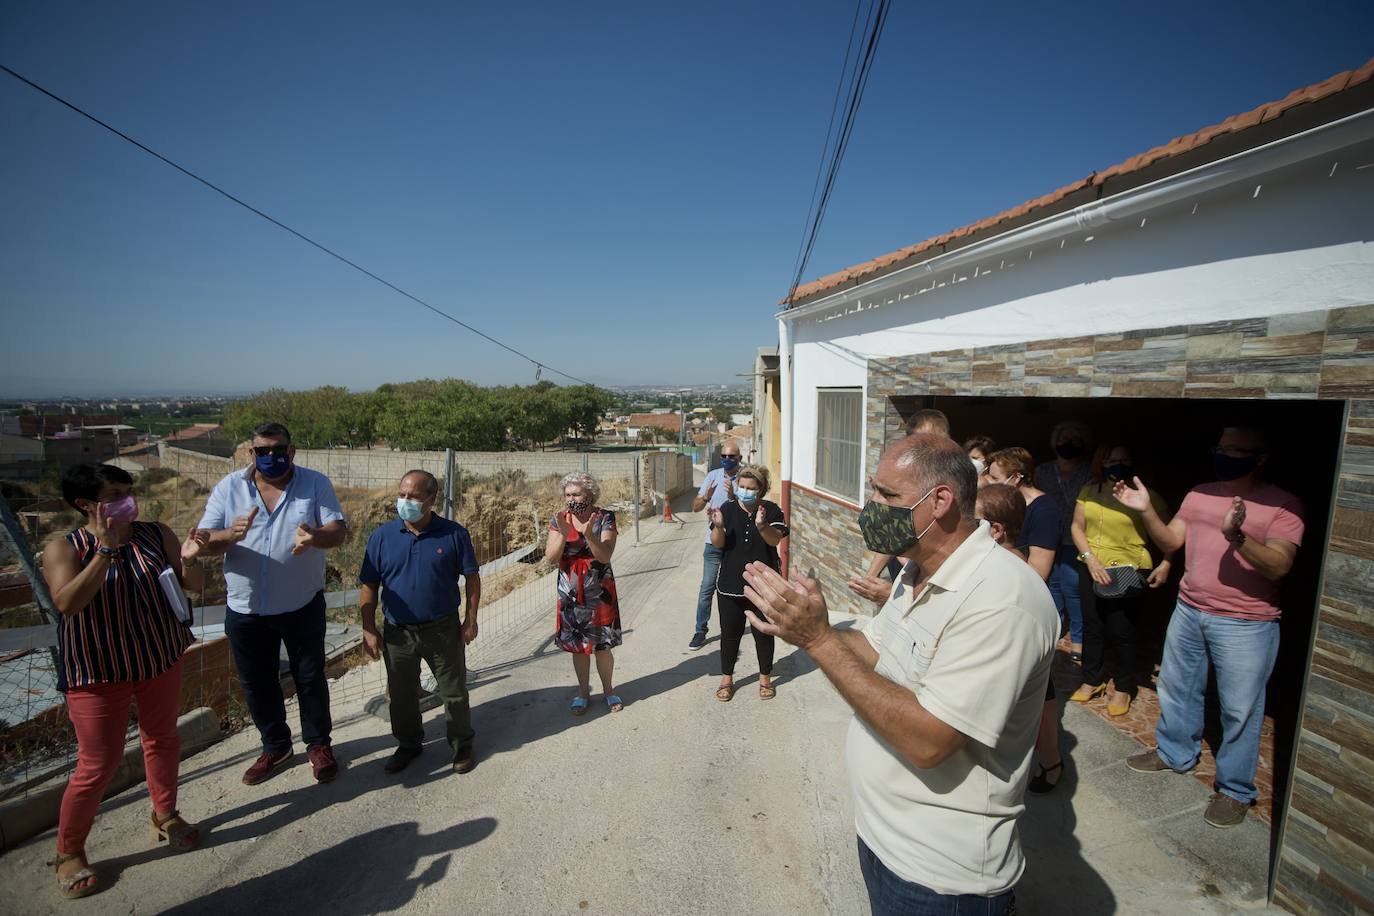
column 100, row 715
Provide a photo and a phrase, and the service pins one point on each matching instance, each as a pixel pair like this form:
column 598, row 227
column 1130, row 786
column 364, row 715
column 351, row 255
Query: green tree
column 460, row 416
column 584, row 405
column 537, row 413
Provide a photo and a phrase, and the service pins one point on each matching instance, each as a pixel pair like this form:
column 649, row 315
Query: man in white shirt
column 947, row 685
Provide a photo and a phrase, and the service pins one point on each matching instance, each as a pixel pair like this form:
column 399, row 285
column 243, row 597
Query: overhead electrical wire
column 857, row 81
column 829, row 133
column 538, row 364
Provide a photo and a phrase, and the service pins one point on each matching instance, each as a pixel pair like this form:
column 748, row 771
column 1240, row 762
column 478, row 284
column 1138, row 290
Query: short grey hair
column 586, row 481
column 936, row 460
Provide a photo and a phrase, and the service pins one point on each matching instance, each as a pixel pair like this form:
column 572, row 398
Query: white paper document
column 171, row 587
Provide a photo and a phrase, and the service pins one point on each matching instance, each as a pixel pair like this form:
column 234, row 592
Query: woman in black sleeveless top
column 748, row 528
column 120, row 640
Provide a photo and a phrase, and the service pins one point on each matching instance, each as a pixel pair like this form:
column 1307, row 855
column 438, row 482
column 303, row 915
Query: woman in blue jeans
column 1062, row 479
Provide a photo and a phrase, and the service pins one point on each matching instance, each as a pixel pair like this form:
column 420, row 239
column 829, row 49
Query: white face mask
column 979, row 465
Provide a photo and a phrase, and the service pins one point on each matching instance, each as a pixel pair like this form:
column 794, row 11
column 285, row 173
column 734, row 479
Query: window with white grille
column 839, row 446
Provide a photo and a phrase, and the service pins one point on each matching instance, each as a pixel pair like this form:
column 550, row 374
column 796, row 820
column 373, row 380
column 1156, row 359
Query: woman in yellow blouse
column 1117, row 568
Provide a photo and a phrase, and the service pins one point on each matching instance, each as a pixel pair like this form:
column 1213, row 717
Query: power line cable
column 829, row 132
column 279, row 224
column 876, row 20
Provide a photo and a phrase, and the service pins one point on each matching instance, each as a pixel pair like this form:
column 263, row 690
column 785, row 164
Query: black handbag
column 1126, row 580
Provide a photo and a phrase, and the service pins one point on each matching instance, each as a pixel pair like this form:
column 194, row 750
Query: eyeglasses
column 262, row 451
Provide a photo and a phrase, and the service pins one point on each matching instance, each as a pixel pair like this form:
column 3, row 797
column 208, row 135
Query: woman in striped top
column 119, row 640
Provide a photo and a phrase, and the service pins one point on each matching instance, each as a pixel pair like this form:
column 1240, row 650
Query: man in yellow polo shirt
column 947, row 685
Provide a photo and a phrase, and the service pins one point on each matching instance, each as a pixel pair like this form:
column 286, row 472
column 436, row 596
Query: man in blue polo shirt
column 273, row 523
column 415, row 561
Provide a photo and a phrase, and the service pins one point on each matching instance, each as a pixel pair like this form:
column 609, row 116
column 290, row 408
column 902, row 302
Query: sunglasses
column 262, row 451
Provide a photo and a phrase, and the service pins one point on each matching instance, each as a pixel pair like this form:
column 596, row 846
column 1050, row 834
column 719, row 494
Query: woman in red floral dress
column 581, row 541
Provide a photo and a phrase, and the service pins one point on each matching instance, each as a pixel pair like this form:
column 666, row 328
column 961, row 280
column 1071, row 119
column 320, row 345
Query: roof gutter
column 1239, row 167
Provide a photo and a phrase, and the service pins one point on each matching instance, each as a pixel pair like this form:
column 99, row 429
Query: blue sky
column 616, row 189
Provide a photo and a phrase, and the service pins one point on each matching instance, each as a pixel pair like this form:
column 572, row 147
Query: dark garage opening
column 1171, row 440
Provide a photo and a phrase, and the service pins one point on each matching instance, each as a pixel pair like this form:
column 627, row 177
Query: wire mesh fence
column 505, row 500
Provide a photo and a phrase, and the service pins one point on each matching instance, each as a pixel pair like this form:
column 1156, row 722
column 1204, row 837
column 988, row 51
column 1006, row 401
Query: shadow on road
column 1061, row 880
column 367, row 873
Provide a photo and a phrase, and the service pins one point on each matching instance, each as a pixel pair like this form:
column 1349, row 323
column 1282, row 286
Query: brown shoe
column 400, row 759
column 267, row 766
column 464, row 761
column 1148, row 762
column 323, row 763
column 1225, row 811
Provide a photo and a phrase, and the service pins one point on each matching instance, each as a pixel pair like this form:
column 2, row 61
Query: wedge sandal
column 67, row 884
column 174, row 831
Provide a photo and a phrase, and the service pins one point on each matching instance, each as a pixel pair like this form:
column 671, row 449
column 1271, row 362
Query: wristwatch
column 109, row 553
column 1085, row 556
column 1237, row 540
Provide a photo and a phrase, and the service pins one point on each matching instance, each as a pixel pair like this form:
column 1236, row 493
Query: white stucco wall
column 1300, row 239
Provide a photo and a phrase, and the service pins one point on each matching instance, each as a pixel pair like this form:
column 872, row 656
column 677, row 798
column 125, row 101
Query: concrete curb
column 27, row 817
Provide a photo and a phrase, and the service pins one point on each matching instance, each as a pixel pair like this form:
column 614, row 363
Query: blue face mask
column 748, row 497
column 729, row 462
column 410, row 510
column 272, row 466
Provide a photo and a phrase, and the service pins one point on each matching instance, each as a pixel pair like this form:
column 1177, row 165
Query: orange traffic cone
column 667, row 509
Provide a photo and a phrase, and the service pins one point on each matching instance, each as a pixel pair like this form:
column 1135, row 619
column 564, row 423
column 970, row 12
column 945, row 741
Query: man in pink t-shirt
column 1239, row 537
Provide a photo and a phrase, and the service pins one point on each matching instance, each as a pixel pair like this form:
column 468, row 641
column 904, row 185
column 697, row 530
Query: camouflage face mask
column 888, row 529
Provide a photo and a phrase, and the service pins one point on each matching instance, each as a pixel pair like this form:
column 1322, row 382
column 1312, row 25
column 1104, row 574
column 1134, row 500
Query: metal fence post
column 13, row 535
column 636, row 459
column 586, row 462
column 448, row 483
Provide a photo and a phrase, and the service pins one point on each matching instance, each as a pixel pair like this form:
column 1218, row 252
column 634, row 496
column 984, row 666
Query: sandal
column 767, row 691
column 614, row 703
column 180, row 836
column 725, row 692
column 579, row 705
column 1039, row 784
column 67, row 884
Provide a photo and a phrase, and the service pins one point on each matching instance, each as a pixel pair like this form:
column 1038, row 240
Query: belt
column 424, row 626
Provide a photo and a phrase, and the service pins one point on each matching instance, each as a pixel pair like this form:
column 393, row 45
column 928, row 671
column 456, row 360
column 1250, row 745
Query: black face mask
column 1120, row 471
column 1228, row 467
column 1070, row 450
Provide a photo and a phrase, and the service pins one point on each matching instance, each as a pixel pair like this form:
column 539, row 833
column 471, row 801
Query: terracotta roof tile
column 1178, row 145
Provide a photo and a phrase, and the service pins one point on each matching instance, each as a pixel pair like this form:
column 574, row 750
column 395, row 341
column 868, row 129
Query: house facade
column 1225, row 278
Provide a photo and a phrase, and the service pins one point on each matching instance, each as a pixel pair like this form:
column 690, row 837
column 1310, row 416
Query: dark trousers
column 256, row 641
column 889, row 894
column 732, row 623
column 440, row 645
column 1108, row 627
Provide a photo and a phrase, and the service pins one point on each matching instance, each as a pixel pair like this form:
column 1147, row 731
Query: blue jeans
column 1242, row 653
column 710, row 568
column 1063, row 583
column 889, row 894
column 255, row 640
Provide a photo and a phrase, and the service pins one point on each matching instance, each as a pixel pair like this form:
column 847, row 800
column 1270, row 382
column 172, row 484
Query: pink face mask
column 121, row 511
